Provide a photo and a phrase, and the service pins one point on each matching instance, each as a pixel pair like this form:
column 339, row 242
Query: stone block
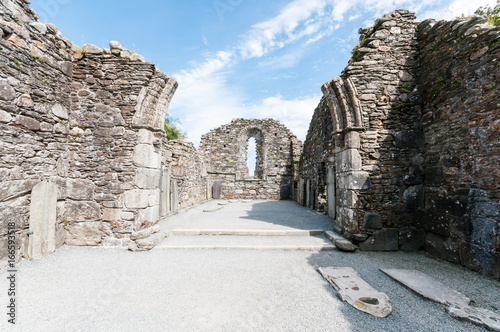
column 354, row 181
column 60, row 111
column 373, row 221
column 147, row 178
column 127, row 216
column 142, row 234
column 79, row 211
column 16, row 188
column 7, row 92
column 87, row 233
column 382, row 240
column 5, row 117
column 145, row 156
column 442, row 247
column 148, row 243
column 348, row 161
column 413, row 197
column 80, row 190
column 43, row 216
column 411, row 239
column 28, row 123
column 140, row 199
column 92, row 49
column 147, row 217
column 111, row 214
column 25, row 100
column 145, row 136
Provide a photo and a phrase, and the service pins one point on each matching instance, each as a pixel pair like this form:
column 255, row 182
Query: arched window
column 251, row 156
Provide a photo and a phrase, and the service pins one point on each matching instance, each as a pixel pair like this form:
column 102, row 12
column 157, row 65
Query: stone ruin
column 402, row 150
column 225, row 151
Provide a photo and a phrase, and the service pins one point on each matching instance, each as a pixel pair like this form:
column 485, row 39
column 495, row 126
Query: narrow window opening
column 251, row 156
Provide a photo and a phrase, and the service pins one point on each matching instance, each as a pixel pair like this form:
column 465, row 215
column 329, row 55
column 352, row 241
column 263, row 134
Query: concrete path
column 98, row 289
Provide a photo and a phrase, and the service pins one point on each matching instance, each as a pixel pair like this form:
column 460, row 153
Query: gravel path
column 98, row 289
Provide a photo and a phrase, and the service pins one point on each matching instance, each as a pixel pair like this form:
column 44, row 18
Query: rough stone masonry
column 403, row 150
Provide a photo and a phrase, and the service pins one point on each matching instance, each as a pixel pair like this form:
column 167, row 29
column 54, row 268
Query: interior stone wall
column 224, row 151
column 461, row 118
column 90, row 122
column 415, row 127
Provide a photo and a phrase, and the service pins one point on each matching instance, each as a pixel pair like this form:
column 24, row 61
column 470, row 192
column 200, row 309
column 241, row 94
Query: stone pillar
column 42, row 220
column 174, row 196
column 165, row 187
column 330, row 180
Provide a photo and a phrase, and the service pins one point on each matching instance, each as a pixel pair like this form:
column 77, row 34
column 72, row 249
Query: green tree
column 171, row 131
column 493, row 14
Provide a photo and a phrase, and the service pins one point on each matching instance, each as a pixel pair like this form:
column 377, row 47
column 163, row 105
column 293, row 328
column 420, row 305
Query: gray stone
column 91, row 49
column 373, row 221
column 87, row 233
column 25, row 100
column 114, row 45
column 43, row 212
column 383, row 240
column 340, row 242
column 141, row 199
column 5, row 117
column 146, row 156
column 411, row 239
column 150, row 242
column 60, row 111
column 137, row 57
column 40, row 27
column 111, row 214
column 80, row 190
column 79, row 211
column 13, row 189
column 457, row 304
column 354, row 181
column 147, row 178
column 28, row 123
column 213, row 209
column 352, row 289
column 142, row 234
column 7, row 93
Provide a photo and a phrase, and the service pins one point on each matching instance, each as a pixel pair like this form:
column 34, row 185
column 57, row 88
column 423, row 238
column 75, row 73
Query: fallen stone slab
column 457, row 304
column 342, row 243
column 223, row 203
column 247, row 200
column 234, row 201
column 213, row 209
column 352, row 289
column 147, row 243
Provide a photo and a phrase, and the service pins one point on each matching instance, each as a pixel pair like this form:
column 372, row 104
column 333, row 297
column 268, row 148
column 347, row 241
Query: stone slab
column 457, row 304
column 213, row 209
column 43, row 216
column 223, row 203
column 352, row 289
column 247, row 232
column 382, row 240
column 342, row 243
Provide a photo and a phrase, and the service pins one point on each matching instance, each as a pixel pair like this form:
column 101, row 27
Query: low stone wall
column 224, row 152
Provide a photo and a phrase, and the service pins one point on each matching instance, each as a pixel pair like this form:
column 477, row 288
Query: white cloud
column 456, row 8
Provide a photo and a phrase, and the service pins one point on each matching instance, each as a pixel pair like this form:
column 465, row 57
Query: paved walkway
column 98, row 289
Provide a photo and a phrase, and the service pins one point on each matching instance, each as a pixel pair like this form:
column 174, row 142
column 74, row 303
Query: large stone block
column 354, row 181
column 383, row 240
column 409, row 139
column 373, row 221
column 147, row 217
column 413, row 197
column 78, row 211
column 9, row 189
column 7, row 93
column 111, row 214
column 43, row 216
column 87, row 233
column 147, row 178
column 146, row 156
column 411, row 239
column 141, row 199
column 80, row 190
column 348, row 160
column 145, row 136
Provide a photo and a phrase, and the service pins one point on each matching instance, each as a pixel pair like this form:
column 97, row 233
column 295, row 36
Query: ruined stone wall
column 415, row 124
column 186, row 170
column 379, row 138
column 461, row 118
column 224, row 152
column 317, row 158
column 84, row 125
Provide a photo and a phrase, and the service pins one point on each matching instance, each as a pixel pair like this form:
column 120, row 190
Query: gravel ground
column 95, row 289
column 98, row 289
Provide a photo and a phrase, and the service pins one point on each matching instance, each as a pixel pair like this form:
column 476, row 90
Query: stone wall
column 415, row 127
column 84, row 125
column 224, row 152
column 317, row 160
column 460, row 84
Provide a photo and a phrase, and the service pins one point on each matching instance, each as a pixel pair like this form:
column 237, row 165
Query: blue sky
column 238, row 58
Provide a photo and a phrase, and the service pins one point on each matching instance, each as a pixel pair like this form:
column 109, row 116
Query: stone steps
column 248, row 242
column 246, row 232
